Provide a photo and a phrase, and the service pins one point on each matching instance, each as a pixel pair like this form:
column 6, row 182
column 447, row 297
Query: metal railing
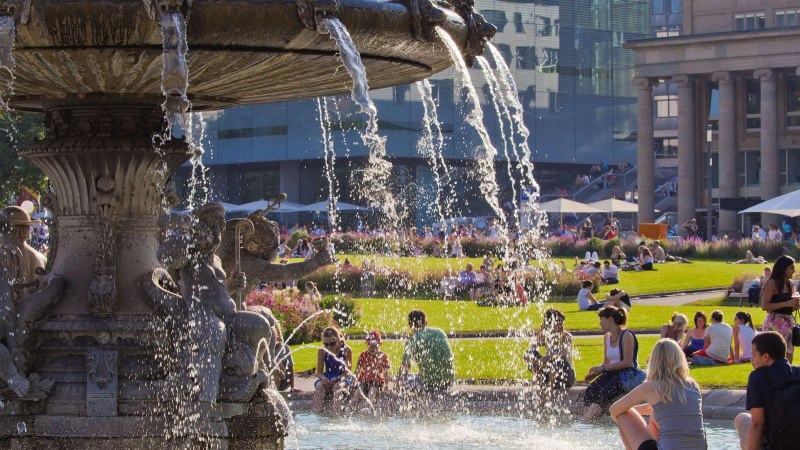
column 622, row 179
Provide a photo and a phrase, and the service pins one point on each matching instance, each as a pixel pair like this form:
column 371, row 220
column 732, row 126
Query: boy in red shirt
column 372, row 368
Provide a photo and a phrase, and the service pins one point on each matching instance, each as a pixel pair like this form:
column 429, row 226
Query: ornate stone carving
column 310, row 11
column 20, row 9
column 101, row 367
column 765, row 74
column 157, row 8
column 425, row 16
column 721, row 77
column 479, row 30
column 227, row 362
column 683, row 81
column 102, row 289
column 644, row 83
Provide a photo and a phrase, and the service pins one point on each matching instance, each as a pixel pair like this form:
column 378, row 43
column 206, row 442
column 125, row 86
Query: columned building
column 737, row 70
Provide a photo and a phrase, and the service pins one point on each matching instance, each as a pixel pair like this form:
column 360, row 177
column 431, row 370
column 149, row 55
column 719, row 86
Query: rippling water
column 467, row 432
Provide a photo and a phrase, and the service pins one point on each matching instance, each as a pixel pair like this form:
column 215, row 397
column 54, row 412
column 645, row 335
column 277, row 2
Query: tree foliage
column 17, row 130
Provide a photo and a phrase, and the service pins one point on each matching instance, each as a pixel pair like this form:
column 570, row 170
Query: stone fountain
column 89, row 337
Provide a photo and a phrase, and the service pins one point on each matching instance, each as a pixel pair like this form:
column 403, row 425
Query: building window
column 519, row 27
column 556, row 27
column 552, row 103
column 792, row 160
column 666, row 105
column 399, row 94
column 749, row 168
column 550, row 61
column 618, row 39
column 668, row 32
column 528, row 97
column 676, row 6
column 792, row 102
column 442, row 91
column 496, row 17
column 750, row 21
column 505, row 50
column 666, row 148
column 787, row 18
column 526, row 58
column 544, row 26
column 753, row 107
column 658, row 6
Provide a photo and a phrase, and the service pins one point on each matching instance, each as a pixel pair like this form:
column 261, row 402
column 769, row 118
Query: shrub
column 346, row 312
column 290, row 307
column 738, row 282
column 594, row 245
column 609, row 247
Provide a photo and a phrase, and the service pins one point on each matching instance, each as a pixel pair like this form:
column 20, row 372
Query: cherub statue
column 228, row 360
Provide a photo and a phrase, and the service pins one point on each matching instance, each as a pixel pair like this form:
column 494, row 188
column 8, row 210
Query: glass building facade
column 574, row 82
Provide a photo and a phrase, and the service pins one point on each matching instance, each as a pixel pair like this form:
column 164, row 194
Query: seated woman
column 554, row 369
column 695, row 337
column 659, row 255
column 672, row 400
column 617, row 256
column 676, row 328
column 620, row 352
column 743, row 334
column 333, row 370
column 586, row 301
column 618, row 298
column 646, row 260
column 750, row 259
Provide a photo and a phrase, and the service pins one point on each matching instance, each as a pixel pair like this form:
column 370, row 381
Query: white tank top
column 746, row 335
column 612, row 353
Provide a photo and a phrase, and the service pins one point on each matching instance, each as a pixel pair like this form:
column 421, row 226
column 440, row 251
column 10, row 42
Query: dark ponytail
column 745, row 318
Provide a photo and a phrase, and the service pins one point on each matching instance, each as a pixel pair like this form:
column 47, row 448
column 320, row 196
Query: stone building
column 737, row 68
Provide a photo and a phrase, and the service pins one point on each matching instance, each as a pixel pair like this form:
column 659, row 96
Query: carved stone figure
column 228, row 361
column 260, row 250
column 24, row 299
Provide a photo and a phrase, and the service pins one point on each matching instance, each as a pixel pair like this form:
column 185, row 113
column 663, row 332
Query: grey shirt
column 681, row 424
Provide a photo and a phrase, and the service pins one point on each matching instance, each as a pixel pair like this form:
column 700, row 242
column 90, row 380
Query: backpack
column 754, row 294
column 783, row 418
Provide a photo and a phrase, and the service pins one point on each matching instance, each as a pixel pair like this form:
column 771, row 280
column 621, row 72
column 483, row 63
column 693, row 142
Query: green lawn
column 501, row 359
column 666, row 277
column 390, row 316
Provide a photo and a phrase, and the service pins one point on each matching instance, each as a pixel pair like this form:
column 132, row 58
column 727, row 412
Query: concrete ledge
column 722, row 404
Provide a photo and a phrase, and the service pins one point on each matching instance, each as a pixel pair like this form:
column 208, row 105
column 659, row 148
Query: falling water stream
column 376, row 177
column 330, row 159
column 174, row 72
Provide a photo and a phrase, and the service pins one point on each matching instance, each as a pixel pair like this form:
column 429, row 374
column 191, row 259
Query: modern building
column 736, row 68
column 573, row 75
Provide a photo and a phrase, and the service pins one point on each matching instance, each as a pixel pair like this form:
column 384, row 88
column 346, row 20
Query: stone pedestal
column 100, row 343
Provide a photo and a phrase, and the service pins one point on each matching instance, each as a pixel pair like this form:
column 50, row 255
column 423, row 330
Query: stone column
column 687, row 160
column 769, row 176
column 645, row 156
column 727, row 148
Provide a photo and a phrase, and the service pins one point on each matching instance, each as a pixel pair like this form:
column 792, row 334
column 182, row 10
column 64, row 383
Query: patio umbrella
column 613, row 205
column 323, row 206
column 262, row 204
column 784, row 205
column 562, row 205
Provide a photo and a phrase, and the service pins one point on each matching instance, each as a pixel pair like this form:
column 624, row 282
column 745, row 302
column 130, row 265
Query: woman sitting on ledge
column 672, row 400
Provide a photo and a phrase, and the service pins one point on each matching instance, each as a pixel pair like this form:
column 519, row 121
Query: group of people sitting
column 717, row 343
column 502, row 286
column 338, row 385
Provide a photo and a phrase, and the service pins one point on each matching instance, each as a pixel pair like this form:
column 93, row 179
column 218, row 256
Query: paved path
column 677, row 299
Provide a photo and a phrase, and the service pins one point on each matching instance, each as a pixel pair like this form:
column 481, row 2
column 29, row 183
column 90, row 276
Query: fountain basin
column 241, row 52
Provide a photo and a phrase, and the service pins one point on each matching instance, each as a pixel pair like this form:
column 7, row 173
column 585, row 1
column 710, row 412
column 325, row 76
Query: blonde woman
column 312, row 292
column 672, row 400
column 676, row 329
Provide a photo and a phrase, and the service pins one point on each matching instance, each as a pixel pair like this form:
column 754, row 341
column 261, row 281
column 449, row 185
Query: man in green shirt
column 429, row 348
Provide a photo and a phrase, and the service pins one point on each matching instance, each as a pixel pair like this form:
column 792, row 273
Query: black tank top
column 782, row 297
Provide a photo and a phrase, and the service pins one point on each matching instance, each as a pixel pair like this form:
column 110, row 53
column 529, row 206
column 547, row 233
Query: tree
column 17, row 130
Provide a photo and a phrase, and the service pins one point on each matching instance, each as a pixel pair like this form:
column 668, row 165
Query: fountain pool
column 457, row 431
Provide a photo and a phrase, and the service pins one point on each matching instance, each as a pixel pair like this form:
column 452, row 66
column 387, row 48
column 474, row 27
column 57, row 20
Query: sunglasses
column 330, row 344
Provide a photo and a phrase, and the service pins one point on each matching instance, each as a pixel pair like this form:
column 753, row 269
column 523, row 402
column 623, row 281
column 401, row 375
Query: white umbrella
column 262, row 205
column 613, row 205
column 562, row 205
column 784, row 205
column 323, row 206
